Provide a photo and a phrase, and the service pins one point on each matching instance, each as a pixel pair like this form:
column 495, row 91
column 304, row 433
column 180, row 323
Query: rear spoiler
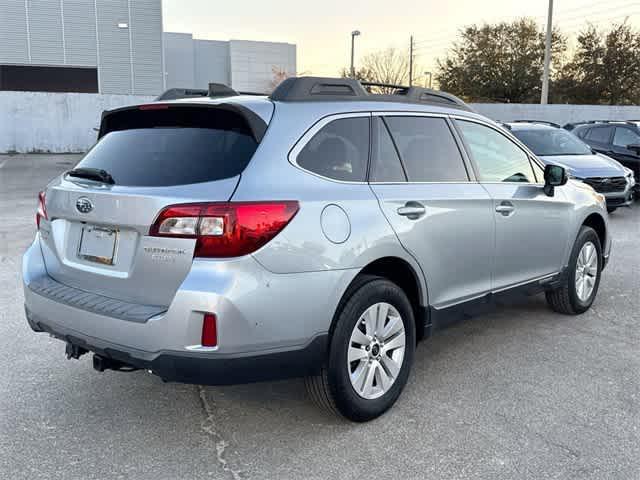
column 257, row 126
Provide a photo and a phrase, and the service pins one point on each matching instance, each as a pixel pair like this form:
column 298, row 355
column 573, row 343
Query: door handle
column 412, row 210
column 505, row 208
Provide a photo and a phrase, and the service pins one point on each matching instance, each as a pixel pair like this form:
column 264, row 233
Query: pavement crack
column 208, row 426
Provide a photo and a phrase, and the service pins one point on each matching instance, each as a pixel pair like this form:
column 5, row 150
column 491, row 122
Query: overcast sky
column 321, row 29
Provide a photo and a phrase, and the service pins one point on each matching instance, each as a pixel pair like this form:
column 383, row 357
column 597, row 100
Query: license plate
column 98, row 244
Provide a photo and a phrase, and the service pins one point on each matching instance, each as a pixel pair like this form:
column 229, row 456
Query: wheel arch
column 403, row 274
column 597, row 222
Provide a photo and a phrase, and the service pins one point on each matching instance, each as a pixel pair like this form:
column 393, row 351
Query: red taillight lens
column 229, row 229
column 42, row 210
column 209, row 331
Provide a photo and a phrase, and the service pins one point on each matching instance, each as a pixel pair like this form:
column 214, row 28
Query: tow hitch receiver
column 74, row 351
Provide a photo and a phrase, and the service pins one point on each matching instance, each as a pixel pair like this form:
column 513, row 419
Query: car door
column 442, row 219
column 623, row 137
column 532, row 229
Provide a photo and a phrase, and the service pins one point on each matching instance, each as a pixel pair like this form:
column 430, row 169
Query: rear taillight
column 42, row 210
column 229, row 229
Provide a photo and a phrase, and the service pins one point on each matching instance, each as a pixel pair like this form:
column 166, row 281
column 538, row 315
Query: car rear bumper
column 269, row 325
column 201, row 369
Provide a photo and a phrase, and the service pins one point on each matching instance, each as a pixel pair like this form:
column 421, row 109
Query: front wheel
column 370, row 354
column 581, row 284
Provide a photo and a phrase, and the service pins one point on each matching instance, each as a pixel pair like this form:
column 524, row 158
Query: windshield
column 548, row 142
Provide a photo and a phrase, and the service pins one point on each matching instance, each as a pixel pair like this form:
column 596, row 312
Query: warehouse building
column 245, row 65
column 105, row 46
column 117, row 47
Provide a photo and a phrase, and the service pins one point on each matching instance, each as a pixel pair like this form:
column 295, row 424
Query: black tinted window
column 385, row 163
column 428, row 149
column 600, row 135
column 155, row 157
column 340, row 150
column 625, row 136
column 497, row 158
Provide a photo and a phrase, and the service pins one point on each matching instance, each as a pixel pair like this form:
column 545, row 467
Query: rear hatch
column 96, row 236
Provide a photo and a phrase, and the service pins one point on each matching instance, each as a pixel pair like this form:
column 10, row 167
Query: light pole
column 354, row 34
column 427, row 74
column 544, row 99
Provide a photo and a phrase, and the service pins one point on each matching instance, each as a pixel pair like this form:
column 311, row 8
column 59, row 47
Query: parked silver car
column 318, row 232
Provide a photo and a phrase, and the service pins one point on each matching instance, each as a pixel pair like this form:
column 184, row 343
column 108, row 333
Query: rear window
column 173, row 149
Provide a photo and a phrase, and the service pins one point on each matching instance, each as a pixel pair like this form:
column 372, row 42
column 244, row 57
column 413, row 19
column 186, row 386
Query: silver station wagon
column 319, row 232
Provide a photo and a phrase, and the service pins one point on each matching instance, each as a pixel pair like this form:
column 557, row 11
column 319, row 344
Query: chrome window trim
column 513, row 139
column 312, row 131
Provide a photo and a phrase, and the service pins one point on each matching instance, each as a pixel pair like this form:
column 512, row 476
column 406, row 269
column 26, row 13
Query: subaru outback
column 319, row 232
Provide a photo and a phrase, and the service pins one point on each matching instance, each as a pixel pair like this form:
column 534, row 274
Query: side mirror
column 554, row 176
column 635, row 148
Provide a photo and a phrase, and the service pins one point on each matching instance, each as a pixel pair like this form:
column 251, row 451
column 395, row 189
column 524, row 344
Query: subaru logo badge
column 84, row 205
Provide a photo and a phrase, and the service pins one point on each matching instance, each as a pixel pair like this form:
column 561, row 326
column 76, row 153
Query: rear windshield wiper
column 95, row 174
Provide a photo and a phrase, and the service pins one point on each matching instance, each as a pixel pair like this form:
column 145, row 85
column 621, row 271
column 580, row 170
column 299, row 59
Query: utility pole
column 411, row 61
column 354, row 34
column 544, row 99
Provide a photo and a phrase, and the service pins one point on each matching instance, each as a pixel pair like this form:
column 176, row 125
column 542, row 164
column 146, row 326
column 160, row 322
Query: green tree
column 500, row 62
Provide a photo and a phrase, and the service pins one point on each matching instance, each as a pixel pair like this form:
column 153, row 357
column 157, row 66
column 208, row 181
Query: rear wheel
column 580, row 287
column 370, row 354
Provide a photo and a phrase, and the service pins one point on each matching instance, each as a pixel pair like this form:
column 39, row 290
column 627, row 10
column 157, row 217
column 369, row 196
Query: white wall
column 54, row 122
column 252, row 63
column 560, row 114
column 64, row 122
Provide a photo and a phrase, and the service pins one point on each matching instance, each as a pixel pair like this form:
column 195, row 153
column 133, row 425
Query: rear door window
column 385, row 162
column 160, row 149
column 340, row 150
column 428, row 149
column 599, row 134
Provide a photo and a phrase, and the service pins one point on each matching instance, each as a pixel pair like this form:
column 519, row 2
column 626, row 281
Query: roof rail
column 299, row 89
column 215, row 90
column 176, row 93
column 541, row 122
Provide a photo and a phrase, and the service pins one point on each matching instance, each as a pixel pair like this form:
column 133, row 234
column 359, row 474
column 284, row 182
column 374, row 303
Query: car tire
column 582, row 280
column 366, row 387
column 611, row 209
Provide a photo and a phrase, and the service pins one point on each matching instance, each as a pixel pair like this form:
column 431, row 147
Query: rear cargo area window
column 165, row 148
column 340, row 150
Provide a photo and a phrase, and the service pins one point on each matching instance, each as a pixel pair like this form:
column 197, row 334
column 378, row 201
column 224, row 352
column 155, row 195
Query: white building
column 92, row 46
column 246, row 66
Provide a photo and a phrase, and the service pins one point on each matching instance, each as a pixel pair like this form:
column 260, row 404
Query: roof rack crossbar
column 341, row 89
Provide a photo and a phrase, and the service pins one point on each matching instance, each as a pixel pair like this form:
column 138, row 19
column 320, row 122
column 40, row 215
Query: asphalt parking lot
column 519, row 393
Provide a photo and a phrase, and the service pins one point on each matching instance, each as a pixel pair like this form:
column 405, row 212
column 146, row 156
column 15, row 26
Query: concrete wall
column 54, row 122
column 560, row 114
column 64, row 122
column 253, row 64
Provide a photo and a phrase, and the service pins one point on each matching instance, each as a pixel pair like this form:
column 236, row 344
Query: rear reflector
column 222, row 230
column 42, row 210
column 209, row 331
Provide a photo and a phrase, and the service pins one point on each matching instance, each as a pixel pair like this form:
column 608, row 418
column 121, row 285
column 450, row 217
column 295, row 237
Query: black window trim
column 530, row 155
column 374, row 140
column 313, row 130
column 471, row 174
